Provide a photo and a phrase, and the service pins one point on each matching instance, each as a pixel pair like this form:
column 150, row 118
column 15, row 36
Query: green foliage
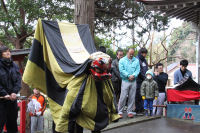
column 117, row 13
column 179, row 36
column 106, row 43
column 132, row 46
column 18, row 18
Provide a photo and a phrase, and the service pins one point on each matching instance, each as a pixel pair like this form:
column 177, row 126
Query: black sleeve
column 17, row 83
column 2, row 91
column 114, row 69
column 162, row 78
column 143, row 70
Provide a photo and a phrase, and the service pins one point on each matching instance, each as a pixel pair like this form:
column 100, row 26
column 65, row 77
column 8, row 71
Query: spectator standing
column 10, row 85
column 37, row 119
column 182, row 72
column 149, row 92
column 129, row 68
column 116, row 79
column 139, row 108
column 161, row 79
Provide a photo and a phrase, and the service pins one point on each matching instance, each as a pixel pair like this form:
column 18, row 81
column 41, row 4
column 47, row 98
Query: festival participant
column 139, row 108
column 161, row 78
column 37, row 119
column 129, row 68
column 116, row 79
column 10, row 85
column 182, row 72
column 149, row 92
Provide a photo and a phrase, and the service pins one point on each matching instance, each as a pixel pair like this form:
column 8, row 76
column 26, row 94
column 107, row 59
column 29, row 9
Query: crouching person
column 149, row 92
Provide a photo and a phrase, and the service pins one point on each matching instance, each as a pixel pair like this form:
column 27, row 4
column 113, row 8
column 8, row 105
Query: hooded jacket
column 10, row 78
column 149, row 87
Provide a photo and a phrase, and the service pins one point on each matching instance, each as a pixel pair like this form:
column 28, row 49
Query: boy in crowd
column 149, row 92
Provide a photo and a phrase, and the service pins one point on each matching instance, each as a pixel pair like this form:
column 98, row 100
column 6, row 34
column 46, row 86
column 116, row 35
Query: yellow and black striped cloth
column 58, row 65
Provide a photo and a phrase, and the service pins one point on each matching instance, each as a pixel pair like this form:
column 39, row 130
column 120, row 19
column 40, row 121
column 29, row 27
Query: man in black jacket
column 141, row 77
column 161, row 78
column 116, row 79
column 10, row 84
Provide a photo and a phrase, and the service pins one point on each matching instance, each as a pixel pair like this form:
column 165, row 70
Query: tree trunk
column 84, row 13
column 25, row 90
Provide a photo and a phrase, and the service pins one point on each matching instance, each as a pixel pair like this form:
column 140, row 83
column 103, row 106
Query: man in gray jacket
column 116, row 79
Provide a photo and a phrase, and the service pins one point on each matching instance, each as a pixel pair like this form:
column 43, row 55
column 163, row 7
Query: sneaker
column 130, row 115
column 140, row 114
column 121, row 116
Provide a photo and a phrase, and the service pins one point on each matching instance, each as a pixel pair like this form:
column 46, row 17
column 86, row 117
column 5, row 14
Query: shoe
column 130, row 115
column 121, row 116
column 140, row 114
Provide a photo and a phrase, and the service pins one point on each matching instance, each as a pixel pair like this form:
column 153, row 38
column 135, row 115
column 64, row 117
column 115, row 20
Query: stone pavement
column 163, row 125
column 121, row 123
column 127, row 121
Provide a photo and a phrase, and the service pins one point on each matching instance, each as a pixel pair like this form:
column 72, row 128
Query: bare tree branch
column 27, row 35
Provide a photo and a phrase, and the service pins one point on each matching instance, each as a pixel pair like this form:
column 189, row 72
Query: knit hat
column 149, row 72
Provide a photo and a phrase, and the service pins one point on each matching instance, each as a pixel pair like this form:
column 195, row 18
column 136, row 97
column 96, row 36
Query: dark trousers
column 117, row 88
column 139, row 103
column 8, row 116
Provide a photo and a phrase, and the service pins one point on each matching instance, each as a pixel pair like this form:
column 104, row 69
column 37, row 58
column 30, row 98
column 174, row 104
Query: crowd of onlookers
column 137, row 88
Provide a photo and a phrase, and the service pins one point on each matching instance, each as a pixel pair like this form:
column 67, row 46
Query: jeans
column 148, row 104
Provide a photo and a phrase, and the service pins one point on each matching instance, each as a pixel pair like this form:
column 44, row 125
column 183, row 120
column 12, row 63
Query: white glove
column 38, row 113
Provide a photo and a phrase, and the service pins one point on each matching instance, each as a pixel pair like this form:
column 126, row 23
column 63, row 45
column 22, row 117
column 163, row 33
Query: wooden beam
column 183, row 16
column 185, row 10
column 168, row 2
column 178, row 11
column 192, row 20
column 193, row 17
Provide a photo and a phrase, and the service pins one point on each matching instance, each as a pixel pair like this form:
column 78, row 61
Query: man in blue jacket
column 129, row 68
column 10, row 84
column 182, row 72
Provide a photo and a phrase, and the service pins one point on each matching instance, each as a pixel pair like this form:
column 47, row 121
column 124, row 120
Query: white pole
column 197, row 59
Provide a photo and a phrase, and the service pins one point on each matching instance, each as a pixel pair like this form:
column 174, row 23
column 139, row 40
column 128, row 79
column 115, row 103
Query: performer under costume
column 64, row 64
